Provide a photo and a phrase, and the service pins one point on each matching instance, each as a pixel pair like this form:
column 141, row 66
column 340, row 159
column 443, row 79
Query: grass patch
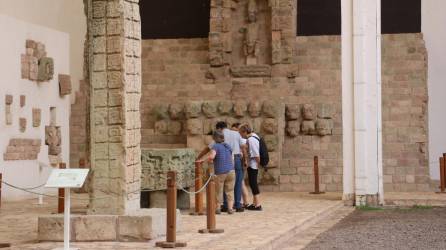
column 369, row 208
column 422, row 207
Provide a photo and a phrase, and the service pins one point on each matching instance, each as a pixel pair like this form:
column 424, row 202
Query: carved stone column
column 115, row 75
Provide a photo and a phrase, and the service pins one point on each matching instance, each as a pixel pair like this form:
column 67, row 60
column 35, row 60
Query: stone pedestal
column 142, row 225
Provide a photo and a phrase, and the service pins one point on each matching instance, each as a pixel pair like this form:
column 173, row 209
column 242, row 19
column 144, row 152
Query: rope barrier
column 199, row 190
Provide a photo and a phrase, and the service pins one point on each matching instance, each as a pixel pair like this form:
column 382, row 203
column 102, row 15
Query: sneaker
column 224, row 209
column 250, row 207
column 240, row 210
column 245, row 205
column 217, row 211
column 254, row 208
column 230, row 211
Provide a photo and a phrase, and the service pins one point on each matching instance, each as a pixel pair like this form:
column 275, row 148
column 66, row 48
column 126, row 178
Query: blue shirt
column 223, row 158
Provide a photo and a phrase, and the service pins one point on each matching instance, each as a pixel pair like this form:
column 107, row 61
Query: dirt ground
column 414, row 228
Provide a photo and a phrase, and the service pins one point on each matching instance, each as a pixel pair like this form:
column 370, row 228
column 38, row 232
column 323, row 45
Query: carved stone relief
column 22, row 101
column 254, row 109
column 64, row 84
column 193, row 109
column 35, row 65
column 240, row 108
column 176, row 111
column 53, row 138
column 37, row 117
column 22, row 149
column 22, row 124
column 210, row 109
column 8, row 112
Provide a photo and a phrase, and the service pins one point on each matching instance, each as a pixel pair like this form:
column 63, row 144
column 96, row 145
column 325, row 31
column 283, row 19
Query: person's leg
column 225, row 202
column 229, row 189
column 253, row 173
column 245, row 188
column 219, row 189
column 238, row 181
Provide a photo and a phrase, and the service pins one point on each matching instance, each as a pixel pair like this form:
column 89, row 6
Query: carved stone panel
column 22, row 124
column 251, row 71
column 64, row 84
column 37, row 117
column 157, row 162
column 22, row 149
column 161, row 127
column 46, row 69
column 161, row 111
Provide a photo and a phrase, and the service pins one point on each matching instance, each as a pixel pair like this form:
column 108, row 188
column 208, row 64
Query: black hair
column 221, row 125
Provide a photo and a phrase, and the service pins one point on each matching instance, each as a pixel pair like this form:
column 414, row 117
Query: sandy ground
column 415, row 228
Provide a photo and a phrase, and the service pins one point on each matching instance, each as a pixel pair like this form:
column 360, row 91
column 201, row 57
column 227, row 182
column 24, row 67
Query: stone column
column 115, row 73
column 367, row 101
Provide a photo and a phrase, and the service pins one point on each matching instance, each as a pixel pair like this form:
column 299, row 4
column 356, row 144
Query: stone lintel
column 251, row 71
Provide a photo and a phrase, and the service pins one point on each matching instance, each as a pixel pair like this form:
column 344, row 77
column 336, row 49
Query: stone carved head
column 240, row 108
column 308, row 112
column 292, row 111
column 293, row 128
column 270, row 109
column 176, row 111
column 254, row 109
column 193, row 109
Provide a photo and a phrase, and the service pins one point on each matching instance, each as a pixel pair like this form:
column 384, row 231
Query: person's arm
column 212, row 155
column 244, row 149
column 203, row 153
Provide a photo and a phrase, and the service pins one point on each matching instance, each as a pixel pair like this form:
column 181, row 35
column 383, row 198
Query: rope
column 199, row 190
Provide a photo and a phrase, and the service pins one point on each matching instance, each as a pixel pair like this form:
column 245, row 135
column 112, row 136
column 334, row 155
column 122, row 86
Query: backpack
column 263, row 151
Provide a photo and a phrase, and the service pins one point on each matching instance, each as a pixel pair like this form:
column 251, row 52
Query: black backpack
column 263, row 151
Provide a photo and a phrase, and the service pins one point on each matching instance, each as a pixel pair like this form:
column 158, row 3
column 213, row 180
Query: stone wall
column 79, row 120
column 176, row 71
column 405, row 127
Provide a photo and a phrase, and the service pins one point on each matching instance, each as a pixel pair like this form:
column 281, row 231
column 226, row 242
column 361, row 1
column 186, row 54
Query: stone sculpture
column 292, row 112
column 270, row 109
column 269, row 126
column 293, row 128
column 210, row 109
column 240, row 109
column 176, row 111
column 161, row 111
column 225, row 107
column 251, row 47
column 161, row 127
column 308, row 127
column 194, row 127
column 53, row 138
column 46, row 69
column 193, row 109
column 324, row 127
column 308, row 112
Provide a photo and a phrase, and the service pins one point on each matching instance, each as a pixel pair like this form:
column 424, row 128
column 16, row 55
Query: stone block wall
column 315, row 79
column 405, row 113
column 79, row 126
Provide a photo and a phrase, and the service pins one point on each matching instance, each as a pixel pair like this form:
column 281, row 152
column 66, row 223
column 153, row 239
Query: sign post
column 67, row 178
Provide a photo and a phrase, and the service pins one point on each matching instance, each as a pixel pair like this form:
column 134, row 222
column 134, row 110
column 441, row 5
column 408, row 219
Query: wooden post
column 316, row 176
column 211, row 224
column 442, row 174
column 61, row 193
column 1, row 181
column 198, row 186
column 171, row 226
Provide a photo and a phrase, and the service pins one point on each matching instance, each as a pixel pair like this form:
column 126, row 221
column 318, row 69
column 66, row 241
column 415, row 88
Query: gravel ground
column 415, row 228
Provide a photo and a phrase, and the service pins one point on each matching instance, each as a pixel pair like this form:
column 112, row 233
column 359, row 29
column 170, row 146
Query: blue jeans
column 238, row 183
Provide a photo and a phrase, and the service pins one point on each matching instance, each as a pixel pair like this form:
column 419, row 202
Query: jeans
column 238, row 183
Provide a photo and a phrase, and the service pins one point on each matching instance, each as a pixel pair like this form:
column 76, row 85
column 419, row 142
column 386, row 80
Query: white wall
column 42, row 95
column 433, row 26
column 62, row 15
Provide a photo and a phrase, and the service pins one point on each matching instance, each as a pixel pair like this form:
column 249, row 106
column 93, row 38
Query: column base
column 165, row 244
